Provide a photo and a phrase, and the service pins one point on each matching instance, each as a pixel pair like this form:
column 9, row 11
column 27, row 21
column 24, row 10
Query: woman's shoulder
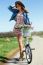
column 24, row 13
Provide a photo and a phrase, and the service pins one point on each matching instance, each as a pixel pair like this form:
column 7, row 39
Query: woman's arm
column 13, row 9
column 26, row 19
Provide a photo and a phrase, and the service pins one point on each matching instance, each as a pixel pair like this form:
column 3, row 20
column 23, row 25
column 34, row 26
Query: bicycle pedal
column 32, row 48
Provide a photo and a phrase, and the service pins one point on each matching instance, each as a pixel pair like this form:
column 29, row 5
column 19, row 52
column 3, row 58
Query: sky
column 35, row 8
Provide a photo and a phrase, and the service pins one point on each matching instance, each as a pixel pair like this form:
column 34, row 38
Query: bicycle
column 28, row 50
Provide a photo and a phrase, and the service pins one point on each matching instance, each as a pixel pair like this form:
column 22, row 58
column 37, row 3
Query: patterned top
column 19, row 18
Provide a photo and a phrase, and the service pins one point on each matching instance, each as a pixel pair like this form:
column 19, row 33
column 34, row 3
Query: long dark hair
column 22, row 6
column 24, row 10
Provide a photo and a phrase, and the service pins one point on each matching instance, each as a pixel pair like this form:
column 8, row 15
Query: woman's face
column 18, row 6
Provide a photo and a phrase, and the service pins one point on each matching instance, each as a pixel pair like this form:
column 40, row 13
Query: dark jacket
column 15, row 12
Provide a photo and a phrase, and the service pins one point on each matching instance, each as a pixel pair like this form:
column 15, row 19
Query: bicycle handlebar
column 23, row 26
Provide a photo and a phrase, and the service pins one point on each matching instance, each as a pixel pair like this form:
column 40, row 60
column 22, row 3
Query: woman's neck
column 21, row 11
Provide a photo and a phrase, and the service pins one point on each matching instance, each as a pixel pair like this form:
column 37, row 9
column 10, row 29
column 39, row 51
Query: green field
column 7, row 44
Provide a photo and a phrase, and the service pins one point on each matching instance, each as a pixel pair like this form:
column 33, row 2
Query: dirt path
column 37, row 43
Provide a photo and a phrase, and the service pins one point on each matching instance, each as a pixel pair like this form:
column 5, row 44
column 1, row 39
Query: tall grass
column 7, row 44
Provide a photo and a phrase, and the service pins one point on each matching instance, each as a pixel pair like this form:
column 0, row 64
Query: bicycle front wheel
column 28, row 54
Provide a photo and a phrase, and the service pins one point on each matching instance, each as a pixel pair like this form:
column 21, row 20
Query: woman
column 20, row 16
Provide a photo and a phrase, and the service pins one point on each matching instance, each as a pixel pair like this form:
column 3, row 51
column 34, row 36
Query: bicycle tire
column 28, row 52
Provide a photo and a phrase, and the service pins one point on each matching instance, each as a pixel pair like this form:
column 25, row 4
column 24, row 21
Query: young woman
column 20, row 16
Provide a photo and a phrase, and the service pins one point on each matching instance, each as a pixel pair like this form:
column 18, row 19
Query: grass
column 40, row 36
column 8, row 44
